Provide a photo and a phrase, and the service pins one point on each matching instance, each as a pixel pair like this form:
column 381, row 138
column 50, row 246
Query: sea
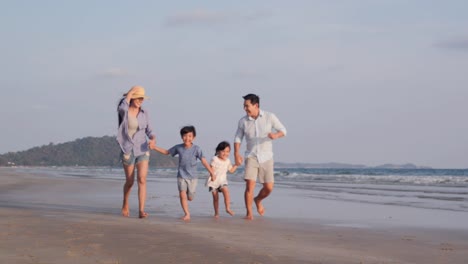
column 441, row 189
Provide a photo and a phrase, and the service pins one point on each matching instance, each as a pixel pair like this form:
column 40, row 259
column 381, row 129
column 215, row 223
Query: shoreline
column 58, row 220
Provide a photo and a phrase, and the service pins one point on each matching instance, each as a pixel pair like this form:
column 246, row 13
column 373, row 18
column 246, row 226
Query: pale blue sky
column 362, row 82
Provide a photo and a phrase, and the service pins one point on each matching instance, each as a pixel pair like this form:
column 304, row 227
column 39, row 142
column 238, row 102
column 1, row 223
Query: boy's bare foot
column 143, row 215
column 229, row 211
column 216, row 216
column 125, row 212
column 186, row 218
column 260, row 208
column 248, row 217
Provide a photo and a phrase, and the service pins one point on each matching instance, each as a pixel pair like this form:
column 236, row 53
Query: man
column 259, row 128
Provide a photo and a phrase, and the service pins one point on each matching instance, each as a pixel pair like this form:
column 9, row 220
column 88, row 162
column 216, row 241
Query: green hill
column 88, row 151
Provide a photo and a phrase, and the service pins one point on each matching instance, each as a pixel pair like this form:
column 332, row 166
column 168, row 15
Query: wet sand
column 72, row 220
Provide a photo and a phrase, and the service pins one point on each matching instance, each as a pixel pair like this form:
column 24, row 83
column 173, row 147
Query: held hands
column 213, row 177
column 152, row 144
column 239, row 160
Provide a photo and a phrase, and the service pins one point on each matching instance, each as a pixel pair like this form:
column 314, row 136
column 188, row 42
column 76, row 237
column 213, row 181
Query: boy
column 186, row 175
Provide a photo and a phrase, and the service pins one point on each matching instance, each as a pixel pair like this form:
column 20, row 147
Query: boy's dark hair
column 221, row 146
column 253, row 98
column 188, row 129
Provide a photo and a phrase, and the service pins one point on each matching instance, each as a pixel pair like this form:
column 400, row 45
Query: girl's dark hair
column 222, row 146
column 188, row 129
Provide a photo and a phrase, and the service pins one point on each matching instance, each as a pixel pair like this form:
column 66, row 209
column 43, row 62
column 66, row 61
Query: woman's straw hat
column 139, row 92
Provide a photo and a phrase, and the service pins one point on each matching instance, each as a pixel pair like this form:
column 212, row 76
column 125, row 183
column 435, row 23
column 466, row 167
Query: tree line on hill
column 88, row 151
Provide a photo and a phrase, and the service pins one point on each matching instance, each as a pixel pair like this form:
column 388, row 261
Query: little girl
column 221, row 164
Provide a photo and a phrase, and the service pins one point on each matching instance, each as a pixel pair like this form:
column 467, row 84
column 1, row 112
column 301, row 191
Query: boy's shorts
column 187, row 185
column 264, row 170
column 130, row 159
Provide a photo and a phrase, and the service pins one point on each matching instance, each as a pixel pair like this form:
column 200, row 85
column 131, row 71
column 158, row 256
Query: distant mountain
column 401, row 166
column 104, row 151
column 88, row 151
column 334, row 165
column 329, row 165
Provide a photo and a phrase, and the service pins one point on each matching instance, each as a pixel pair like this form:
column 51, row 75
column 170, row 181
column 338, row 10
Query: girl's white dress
column 220, row 168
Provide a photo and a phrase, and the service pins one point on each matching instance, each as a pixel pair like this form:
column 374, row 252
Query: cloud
column 246, row 74
column 207, row 18
column 457, row 43
column 346, row 28
column 113, row 73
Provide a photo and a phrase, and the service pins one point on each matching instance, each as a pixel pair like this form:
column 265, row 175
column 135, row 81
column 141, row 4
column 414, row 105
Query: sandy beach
column 47, row 219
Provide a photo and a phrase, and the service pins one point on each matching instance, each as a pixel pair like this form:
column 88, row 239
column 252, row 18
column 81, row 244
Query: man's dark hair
column 253, row 98
column 188, row 129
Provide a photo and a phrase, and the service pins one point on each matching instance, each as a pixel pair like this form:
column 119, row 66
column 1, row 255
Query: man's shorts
column 187, row 185
column 130, row 159
column 264, row 171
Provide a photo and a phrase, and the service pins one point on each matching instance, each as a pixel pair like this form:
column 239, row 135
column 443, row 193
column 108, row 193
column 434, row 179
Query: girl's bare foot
column 248, row 217
column 229, row 211
column 216, row 216
column 260, row 208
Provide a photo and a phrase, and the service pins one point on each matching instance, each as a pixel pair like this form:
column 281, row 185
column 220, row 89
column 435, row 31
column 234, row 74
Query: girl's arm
column 208, row 168
column 233, row 168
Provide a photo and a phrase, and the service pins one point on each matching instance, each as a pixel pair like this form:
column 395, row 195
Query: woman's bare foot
column 125, row 212
column 260, row 208
column 143, row 214
column 186, row 218
column 229, row 211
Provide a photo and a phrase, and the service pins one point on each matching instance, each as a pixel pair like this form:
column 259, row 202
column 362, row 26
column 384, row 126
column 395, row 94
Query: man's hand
column 239, row 160
column 275, row 135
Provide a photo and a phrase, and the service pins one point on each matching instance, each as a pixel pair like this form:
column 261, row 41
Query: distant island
column 104, row 151
column 334, row 165
column 88, row 151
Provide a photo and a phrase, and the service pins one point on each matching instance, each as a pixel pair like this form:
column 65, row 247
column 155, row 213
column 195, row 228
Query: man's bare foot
column 186, row 218
column 216, row 216
column 248, row 217
column 125, row 212
column 143, row 214
column 260, row 208
column 229, row 211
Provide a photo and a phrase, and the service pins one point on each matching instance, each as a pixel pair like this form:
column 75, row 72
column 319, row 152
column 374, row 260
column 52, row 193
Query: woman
column 134, row 129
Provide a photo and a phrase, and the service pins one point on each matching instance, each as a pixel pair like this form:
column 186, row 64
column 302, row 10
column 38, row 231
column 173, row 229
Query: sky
column 360, row 82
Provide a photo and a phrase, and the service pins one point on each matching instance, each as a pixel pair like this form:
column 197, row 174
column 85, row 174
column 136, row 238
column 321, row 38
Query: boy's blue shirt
column 187, row 160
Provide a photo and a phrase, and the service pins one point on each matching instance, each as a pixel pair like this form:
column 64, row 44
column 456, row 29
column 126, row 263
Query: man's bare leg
column 264, row 192
column 142, row 172
column 129, row 179
column 248, row 197
column 184, row 204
